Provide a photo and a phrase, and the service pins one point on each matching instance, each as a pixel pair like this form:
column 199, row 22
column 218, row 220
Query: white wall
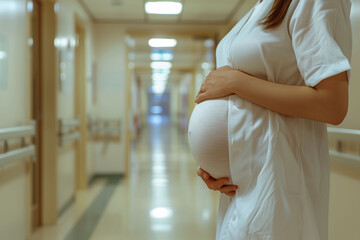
column 110, row 54
column 175, row 102
column 352, row 119
column 344, row 211
column 14, row 110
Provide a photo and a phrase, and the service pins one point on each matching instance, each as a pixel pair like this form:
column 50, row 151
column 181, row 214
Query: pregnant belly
column 208, row 136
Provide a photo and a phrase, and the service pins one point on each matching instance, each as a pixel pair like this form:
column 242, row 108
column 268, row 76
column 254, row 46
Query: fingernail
column 206, row 176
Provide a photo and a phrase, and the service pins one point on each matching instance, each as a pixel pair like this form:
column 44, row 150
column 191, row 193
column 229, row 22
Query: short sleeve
column 321, row 38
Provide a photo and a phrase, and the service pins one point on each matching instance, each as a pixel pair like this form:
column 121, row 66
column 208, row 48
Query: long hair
column 276, row 15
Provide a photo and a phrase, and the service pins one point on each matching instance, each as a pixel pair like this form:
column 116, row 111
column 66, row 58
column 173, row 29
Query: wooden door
column 36, row 110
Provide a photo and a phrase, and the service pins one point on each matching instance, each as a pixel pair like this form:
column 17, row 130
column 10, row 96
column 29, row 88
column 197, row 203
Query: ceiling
column 133, row 11
column 196, row 17
column 188, row 53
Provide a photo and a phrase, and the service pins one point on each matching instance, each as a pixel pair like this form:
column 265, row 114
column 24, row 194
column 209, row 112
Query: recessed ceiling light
column 162, row 56
column 159, row 77
column 162, row 42
column 161, row 71
column 163, row 7
column 161, row 65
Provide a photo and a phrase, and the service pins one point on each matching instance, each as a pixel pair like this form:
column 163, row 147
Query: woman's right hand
column 217, row 184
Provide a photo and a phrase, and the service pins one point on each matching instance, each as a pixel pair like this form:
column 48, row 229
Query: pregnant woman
column 258, row 130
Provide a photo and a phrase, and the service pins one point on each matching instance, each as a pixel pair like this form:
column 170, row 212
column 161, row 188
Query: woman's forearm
column 327, row 102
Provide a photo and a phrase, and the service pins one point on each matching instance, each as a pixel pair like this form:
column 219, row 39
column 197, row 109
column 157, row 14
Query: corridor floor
column 161, row 199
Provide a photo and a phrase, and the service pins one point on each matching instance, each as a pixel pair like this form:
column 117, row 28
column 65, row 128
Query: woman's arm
column 326, row 102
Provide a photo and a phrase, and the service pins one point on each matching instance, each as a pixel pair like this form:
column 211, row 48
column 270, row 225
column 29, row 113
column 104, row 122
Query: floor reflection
column 161, row 199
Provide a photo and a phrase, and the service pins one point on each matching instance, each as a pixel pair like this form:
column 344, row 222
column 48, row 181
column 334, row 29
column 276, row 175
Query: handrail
column 107, row 127
column 17, row 132
column 17, row 154
column 345, row 158
column 24, row 151
column 75, row 136
column 68, row 136
column 69, row 122
column 344, row 134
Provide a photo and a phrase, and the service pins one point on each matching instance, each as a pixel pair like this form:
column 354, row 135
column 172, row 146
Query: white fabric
column 281, row 163
column 208, row 136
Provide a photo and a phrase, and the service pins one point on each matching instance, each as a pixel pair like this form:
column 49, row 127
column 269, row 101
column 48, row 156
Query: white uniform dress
column 281, row 163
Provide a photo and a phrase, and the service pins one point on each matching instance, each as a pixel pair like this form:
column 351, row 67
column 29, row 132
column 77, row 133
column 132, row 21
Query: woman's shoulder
column 316, row 5
column 306, row 11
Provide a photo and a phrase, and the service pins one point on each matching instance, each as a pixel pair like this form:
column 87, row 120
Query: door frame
column 81, row 179
column 35, row 106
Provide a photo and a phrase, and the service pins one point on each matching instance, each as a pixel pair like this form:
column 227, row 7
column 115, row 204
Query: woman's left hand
column 217, row 184
column 216, row 85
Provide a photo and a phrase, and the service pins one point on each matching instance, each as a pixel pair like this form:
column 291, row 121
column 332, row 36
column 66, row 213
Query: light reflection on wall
column 9, row 7
column 2, row 55
column 161, row 227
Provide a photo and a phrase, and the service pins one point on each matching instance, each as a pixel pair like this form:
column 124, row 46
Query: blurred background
column 95, row 99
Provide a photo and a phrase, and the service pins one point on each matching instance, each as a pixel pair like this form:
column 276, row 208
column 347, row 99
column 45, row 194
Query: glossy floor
column 162, row 199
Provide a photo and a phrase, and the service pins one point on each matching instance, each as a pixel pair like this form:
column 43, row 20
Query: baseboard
column 66, row 206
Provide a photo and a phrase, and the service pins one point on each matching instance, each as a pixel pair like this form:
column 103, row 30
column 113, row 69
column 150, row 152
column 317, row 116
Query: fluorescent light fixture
column 159, row 77
column 60, row 42
column 161, row 71
column 166, row 7
column 162, row 42
column 161, row 65
column 161, row 212
column 162, row 56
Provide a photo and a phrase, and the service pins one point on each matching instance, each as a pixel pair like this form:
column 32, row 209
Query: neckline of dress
column 248, row 18
column 259, row 3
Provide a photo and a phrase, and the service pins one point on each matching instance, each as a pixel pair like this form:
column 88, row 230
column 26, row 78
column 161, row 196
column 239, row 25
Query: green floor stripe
column 87, row 223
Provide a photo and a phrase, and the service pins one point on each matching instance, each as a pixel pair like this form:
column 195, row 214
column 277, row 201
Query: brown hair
column 276, row 15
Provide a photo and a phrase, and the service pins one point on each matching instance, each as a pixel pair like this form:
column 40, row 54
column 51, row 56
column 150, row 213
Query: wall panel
column 14, row 111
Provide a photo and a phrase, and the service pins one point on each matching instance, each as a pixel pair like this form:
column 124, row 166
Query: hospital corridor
column 96, row 100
